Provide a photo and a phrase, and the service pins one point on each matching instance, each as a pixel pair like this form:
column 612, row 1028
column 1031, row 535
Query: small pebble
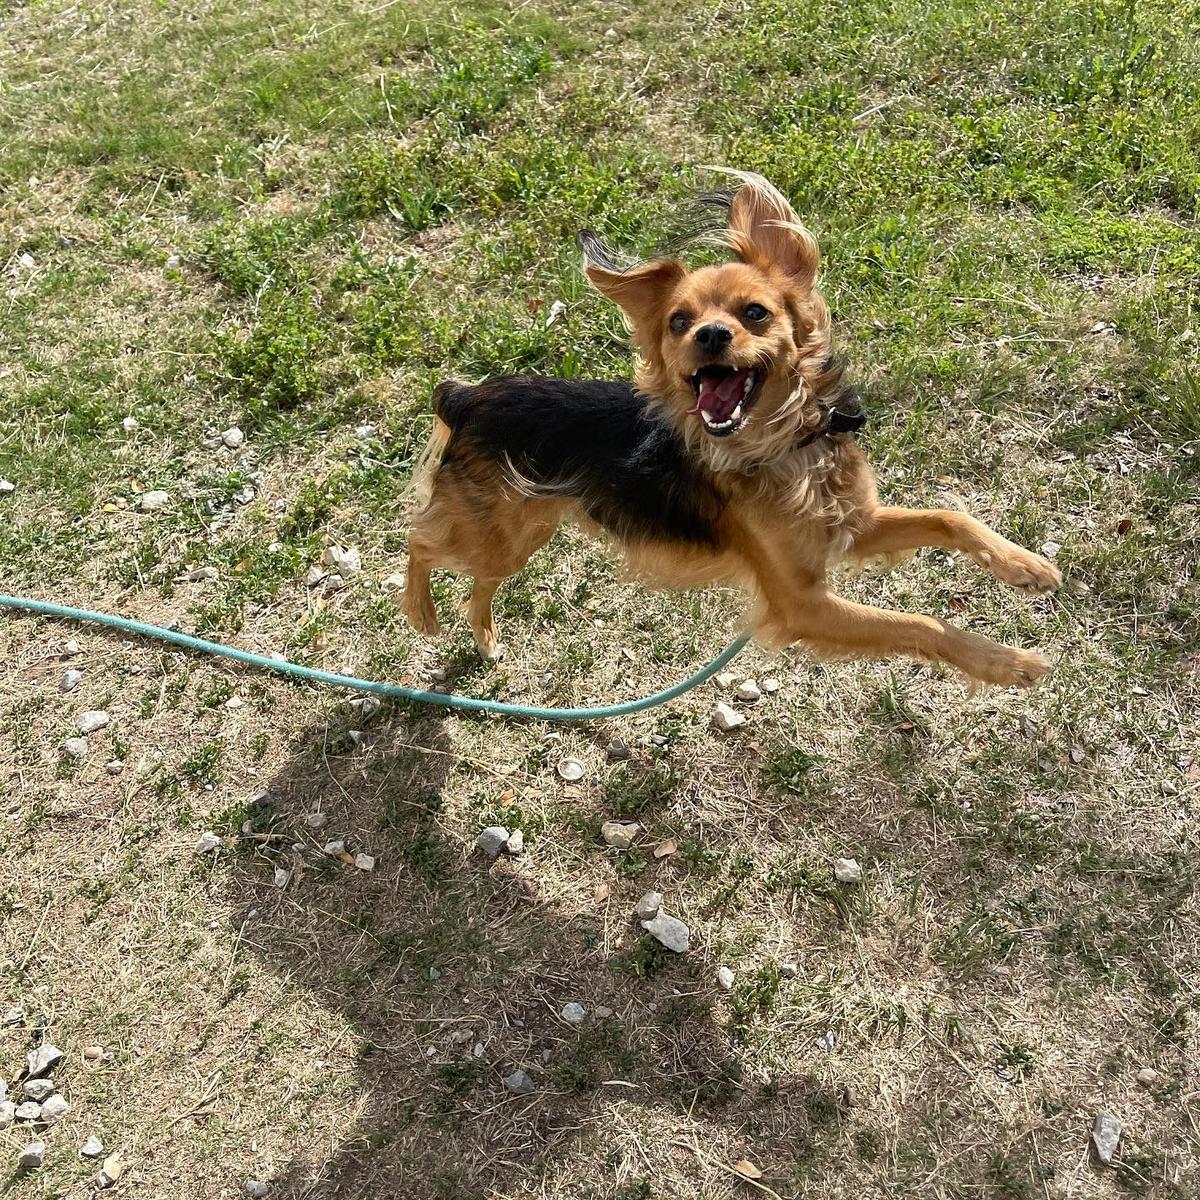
column 670, row 931
column 115, row 766
column 153, row 501
column 32, row 1156
column 30, row 1110
column 725, row 679
column 334, row 847
column 364, row 862
column 725, row 978
column 54, row 1109
column 234, row 703
column 749, row 691
column 232, row 438
column 603, row 1012
column 7, row 485
column 92, row 1148
column 649, row 906
column 726, row 718
column 70, row 681
column 71, row 648
column 573, row 1012
column 617, row 751
column 74, row 748
column 1147, row 1077
column 42, row 1060
column 38, row 1089
column 314, row 575
column 827, row 1041
column 620, row 834
column 8, row 1113
column 788, row 970
column 570, row 769
column 519, row 1083
column 1051, row 549
column 93, row 1053
column 91, row 721
column 1106, row 1133
column 365, row 706
column 202, row 574
column 492, row 840
column 207, row 842
column 847, row 870
column 516, row 842
column 364, row 433
column 770, row 685
column 255, row 1188
column 111, row 1171
column 345, row 560
column 172, row 263
column 316, row 820
column 129, row 424
column 282, row 877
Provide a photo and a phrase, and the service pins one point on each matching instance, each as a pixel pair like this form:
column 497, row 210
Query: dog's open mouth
column 724, row 397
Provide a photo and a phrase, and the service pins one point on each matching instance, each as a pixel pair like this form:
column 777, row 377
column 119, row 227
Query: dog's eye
column 679, row 322
column 756, row 312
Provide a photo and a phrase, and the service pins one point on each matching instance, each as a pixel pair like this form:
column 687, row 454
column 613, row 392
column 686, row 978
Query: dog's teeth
column 747, row 385
column 736, row 415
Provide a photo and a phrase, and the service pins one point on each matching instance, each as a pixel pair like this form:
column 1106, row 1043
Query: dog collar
column 836, row 420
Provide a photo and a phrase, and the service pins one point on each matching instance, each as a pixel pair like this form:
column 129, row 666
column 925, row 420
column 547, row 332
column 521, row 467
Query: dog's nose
column 714, row 338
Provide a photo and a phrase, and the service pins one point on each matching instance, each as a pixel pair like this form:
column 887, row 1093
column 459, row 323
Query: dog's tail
column 420, row 489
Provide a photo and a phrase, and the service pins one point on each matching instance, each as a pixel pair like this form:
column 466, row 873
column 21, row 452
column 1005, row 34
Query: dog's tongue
column 719, row 394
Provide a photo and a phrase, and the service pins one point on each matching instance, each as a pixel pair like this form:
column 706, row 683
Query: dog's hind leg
column 893, row 530
column 483, row 621
column 418, row 599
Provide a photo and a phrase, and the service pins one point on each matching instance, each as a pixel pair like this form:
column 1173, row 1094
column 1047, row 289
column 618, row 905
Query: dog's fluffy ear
column 764, row 228
column 640, row 291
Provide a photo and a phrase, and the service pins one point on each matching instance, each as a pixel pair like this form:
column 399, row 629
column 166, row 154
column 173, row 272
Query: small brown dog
column 732, row 461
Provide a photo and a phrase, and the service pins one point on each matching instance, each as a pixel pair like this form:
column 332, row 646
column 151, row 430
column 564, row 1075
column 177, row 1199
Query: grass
column 330, row 209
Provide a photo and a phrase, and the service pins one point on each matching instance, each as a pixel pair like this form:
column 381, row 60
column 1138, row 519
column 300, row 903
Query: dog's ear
column 639, row 291
column 764, row 228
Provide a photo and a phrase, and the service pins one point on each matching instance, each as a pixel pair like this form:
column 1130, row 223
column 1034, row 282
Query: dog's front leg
column 893, row 530
column 835, row 628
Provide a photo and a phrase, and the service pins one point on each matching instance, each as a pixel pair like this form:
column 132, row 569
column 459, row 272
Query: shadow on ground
column 454, row 971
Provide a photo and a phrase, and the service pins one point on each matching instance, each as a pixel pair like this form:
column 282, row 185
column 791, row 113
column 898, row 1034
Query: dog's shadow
column 453, row 972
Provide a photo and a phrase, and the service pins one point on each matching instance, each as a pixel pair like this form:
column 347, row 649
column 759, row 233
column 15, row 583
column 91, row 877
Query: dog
column 731, row 460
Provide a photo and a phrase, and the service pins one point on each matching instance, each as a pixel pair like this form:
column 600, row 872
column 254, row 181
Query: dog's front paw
column 1003, row 666
column 1021, row 568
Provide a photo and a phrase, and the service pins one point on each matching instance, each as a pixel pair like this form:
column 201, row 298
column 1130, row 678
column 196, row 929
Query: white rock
column 282, row 877
column 364, row 862
column 725, row 978
column 365, row 706
column 749, row 691
column 14, row 1016
column 334, row 846
column 232, row 438
column 725, row 679
column 92, row 1148
column 8, row 1113
column 316, row 820
column 255, row 1188
column 620, row 834
column 202, row 574
column 42, row 1060
column 726, row 718
column 71, row 648
column 827, row 1041
column 492, row 840
column 38, row 1089
column 847, row 870
column 152, row 501
column 6, row 486
column 573, row 1012
column 345, row 560
column 74, row 748
column 770, row 685
column 32, row 1156
column 364, row 433
column 234, row 703
column 70, row 681
column 788, row 970
column 30, row 1110
column 129, row 424
column 1147, row 1077
column 520, row 1083
column 172, row 263
column 570, row 769
column 115, row 766
column 670, row 931
column 649, row 906
column 516, row 842
column 91, row 721
column 314, row 575
column 207, row 842
column 26, row 260
column 1106, row 1133
column 54, row 1109
column 1051, row 549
